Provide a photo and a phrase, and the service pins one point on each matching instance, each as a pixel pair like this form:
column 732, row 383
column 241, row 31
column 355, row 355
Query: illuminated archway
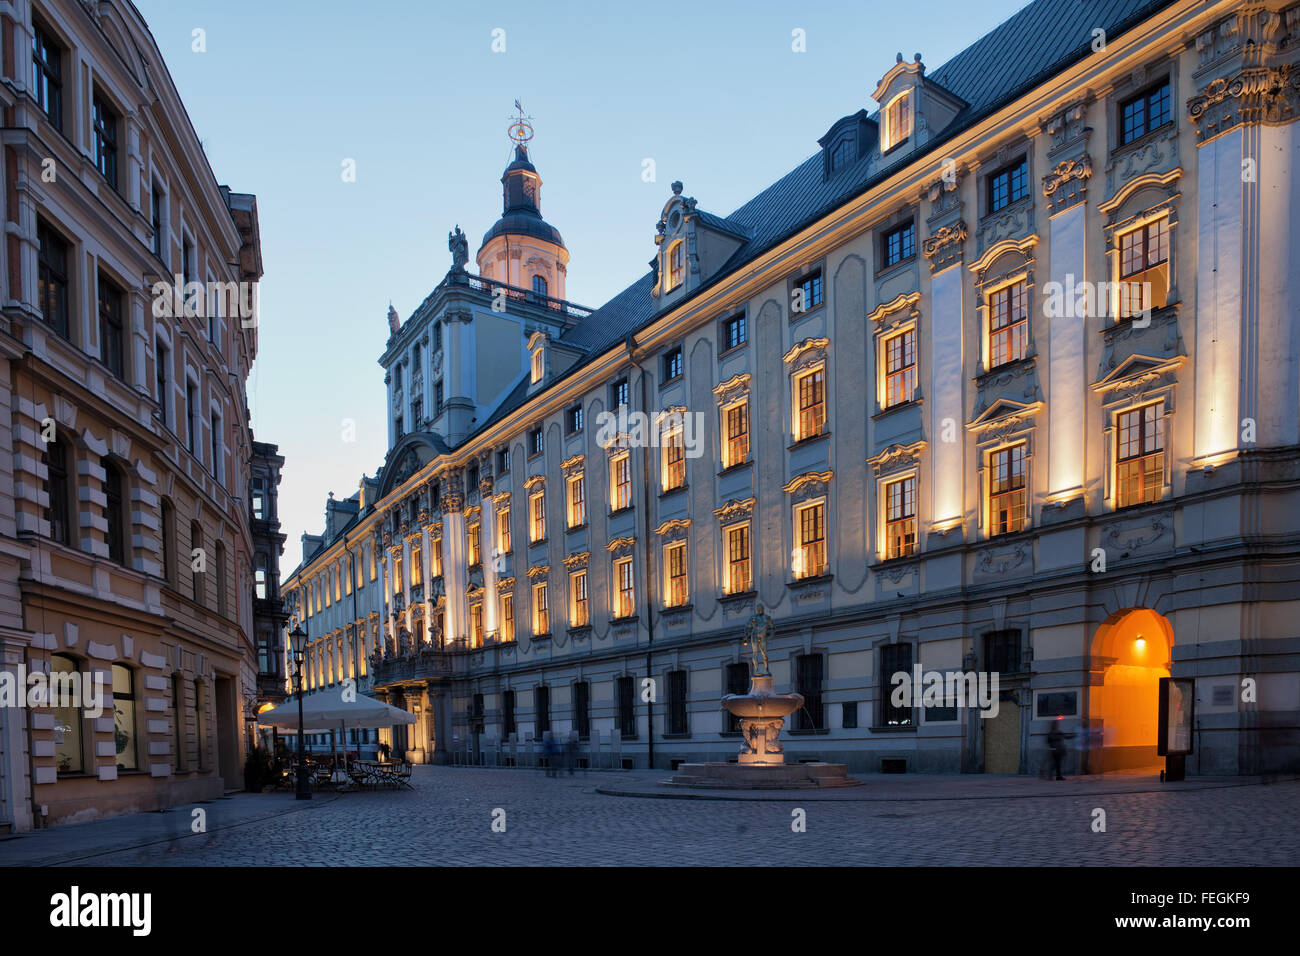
column 1132, row 650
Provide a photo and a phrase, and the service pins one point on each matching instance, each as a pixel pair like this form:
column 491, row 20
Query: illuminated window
column 1008, row 324
column 539, row 365
column 507, row 617
column 810, row 540
column 397, row 577
column 476, row 624
column 810, row 404
column 674, row 459
column 417, row 565
column 577, row 501
column 1140, row 455
column 1007, row 489
column 897, row 125
column 541, row 616
column 1145, row 112
column 735, row 430
column 503, row 530
column 738, row 574
column 435, row 557
column 624, row 599
column 900, row 518
column 578, row 612
column 676, row 265
column 537, row 516
column 900, row 368
column 1144, row 268
column 620, row 482
column 475, row 549
column 676, row 591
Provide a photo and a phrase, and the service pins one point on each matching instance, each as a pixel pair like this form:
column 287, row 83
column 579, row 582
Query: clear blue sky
column 289, row 89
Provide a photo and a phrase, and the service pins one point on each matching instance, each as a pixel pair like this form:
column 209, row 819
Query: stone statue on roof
column 394, row 323
column 459, row 246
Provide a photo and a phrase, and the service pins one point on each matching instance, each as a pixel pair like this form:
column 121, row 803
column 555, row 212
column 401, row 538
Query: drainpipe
column 649, row 579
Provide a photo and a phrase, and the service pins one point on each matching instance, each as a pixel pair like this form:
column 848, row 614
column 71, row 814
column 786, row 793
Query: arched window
column 539, row 285
column 114, row 487
column 676, row 265
column 197, row 562
column 124, row 733
column 65, row 701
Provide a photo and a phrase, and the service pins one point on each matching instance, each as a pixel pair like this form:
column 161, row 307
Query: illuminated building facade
column 125, row 545
column 1002, row 380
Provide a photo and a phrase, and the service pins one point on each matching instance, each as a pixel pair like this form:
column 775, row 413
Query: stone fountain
column 761, row 764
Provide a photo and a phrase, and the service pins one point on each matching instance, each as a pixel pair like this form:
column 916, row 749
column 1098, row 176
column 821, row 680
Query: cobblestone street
column 916, row 820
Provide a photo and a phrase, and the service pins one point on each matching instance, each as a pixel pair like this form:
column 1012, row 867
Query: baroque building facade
column 128, row 329
column 1002, row 380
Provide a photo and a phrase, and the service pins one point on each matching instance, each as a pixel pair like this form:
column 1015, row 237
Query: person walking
column 1056, row 744
column 549, row 748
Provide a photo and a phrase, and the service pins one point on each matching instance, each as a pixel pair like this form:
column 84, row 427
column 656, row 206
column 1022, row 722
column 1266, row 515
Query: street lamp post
column 299, row 639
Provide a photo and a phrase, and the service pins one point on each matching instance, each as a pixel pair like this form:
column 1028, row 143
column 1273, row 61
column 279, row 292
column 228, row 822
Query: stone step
column 736, row 776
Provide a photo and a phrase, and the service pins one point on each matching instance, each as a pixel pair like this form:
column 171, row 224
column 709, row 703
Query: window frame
column 897, row 121
column 801, row 567
column 1016, row 176
column 1144, row 96
column 1015, row 330
column 676, row 586
column 906, row 233
column 1150, row 464
column 799, row 411
column 731, row 562
column 624, row 588
column 998, row 527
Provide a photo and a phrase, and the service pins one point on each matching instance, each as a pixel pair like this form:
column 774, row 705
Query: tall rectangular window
column 542, row 698
column 900, row 368
column 1007, row 489
column 114, row 511
column 535, row 442
column 894, row 659
column 162, row 369
column 508, row 714
column 738, row 579
column 156, row 201
column 1008, row 324
column 1144, row 268
column 624, row 597
column 626, row 708
column 57, row 489
column 619, row 394
column 104, row 122
column 215, row 439
column 898, row 244
column 47, row 75
column 582, row 709
column 476, row 624
column 574, row 419
column 1147, row 111
column 734, row 332
column 808, row 682
column 674, row 460
column 810, row 404
column 577, row 501
column 541, row 614
column 507, row 616
column 676, row 716
column 810, row 540
column 900, row 518
column 579, row 615
column 111, row 336
column 1140, row 455
column 69, row 750
column 435, row 559
column 503, row 531
column 191, row 417
column 474, row 549
column 676, row 589
column 537, row 516
column 735, row 425
column 620, row 482
column 417, row 565
column 178, row 725
column 809, row 291
column 673, row 364
column 897, row 121
column 52, row 278
column 676, row 265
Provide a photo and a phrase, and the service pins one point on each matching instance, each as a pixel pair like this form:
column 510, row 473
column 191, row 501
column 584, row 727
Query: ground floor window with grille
column 624, row 600
column 542, row 702
column 677, row 723
column 737, row 683
column 626, row 708
column 1002, row 652
column 1007, row 490
column 582, row 709
column 808, row 682
column 810, row 540
column 1140, row 455
column 737, row 578
column 508, row 714
column 900, row 518
column 894, row 659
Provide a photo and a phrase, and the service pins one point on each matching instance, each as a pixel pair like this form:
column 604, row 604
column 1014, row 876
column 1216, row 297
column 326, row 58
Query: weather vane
column 520, row 131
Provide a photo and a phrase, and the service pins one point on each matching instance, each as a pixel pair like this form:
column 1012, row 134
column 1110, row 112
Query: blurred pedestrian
column 1056, row 744
column 571, row 756
column 552, row 756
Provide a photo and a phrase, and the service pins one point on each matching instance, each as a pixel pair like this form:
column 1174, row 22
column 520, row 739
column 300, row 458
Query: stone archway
column 1130, row 652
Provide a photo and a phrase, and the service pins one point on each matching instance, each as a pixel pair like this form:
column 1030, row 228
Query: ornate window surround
column 1001, row 425
column 889, row 319
column 1139, row 380
column 734, row 391
column 808, row 355
column 1123, row 216
column 986, row 285
column 896, row 462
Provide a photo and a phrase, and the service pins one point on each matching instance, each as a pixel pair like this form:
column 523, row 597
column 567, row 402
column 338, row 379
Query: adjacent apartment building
column 126, row 336
column 1003, row 379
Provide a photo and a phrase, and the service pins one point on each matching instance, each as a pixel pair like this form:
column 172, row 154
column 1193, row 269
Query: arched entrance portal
column 1131, row 650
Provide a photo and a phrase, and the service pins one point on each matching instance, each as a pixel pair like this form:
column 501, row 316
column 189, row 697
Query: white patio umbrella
column 325, row 710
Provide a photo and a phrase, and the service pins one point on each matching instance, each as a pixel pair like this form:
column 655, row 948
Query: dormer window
column 539, row 366
column 897, row 125
column 841, row 155
column 676, row 265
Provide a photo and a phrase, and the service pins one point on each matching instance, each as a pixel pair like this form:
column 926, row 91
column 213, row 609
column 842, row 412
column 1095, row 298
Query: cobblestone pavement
column 448, row 819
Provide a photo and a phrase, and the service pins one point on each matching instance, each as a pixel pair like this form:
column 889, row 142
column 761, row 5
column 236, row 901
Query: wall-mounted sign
column 1177, row 716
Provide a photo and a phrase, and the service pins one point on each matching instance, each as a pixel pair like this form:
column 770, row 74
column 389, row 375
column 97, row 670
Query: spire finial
column 520, row 130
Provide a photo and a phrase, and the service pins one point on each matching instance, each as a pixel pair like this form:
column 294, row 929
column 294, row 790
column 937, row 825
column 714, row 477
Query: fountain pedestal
column 761, row 763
